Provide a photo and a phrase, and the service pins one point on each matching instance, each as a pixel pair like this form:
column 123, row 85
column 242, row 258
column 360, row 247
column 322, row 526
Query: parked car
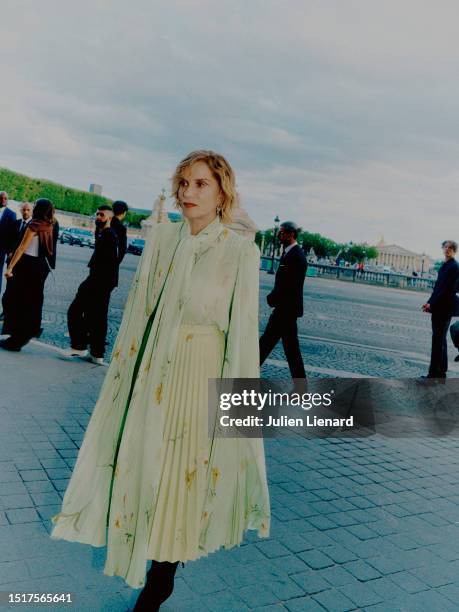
column 135, row 246
column 75, row 235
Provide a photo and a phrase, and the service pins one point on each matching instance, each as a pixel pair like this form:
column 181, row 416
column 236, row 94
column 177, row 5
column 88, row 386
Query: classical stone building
column 158, row 215
column 401, row 259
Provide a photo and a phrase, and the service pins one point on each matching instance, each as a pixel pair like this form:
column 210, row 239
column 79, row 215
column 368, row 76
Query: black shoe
column 159, row 586
column 456, row 358
column 4, row 344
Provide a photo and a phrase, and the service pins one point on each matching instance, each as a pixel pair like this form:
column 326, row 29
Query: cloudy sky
column 341, row 115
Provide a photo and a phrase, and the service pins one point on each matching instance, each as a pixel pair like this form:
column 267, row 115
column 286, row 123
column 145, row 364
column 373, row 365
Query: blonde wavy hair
column 221, row 170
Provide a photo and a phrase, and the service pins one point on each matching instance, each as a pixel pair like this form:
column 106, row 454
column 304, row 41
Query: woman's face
column 199, row 193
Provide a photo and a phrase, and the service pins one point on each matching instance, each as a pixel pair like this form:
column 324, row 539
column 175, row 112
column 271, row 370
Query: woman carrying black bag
column 26, row 275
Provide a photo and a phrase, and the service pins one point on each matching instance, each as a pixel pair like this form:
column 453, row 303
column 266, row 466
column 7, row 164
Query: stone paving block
column 259, row 594
column 387, row 565
column 9, row 476
column 296, row 543
column 39, row 486
column 437, row 575
column 326, row 494
column 323, row 507
column 361, row 502
column 448, row 553
column 225, row 600
column 61, row 484
column 386, row 588
column 342, row 505
column 303, row 604
column 408, row 582
column 387, row 527
column 319, row 539
column 31, row 464
column 68, row 452
column 209, row 583
column 310, row 581
column 451, row 591
column 344, row 537
column 428, row 601
column 272, row 549
column 290, row 565
column 316, row 559
column 362, row 594
column 9, row 502
column 362, row 532
column 336, row 575
column 342, row 519
column 292, row 487
column 22, row 515
column 3, row 519
column 334, row 601
column 13, row 571
column 286, row 589
column 58, row 473
column 362, row 570
column 43, row 499
column 46, row 512
column 33, row 475
column 53, row 462
column 321, row 522
column 339, row 554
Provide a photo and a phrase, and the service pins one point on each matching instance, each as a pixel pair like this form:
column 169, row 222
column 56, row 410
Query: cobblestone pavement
column 358, row 523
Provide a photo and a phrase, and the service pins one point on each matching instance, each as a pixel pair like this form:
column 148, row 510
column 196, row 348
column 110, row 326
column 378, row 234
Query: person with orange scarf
column 26, row 275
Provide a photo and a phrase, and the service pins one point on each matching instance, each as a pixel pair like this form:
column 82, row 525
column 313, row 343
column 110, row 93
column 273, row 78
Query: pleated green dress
column 149, row 483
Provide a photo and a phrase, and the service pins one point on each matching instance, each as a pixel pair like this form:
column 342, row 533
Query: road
column 347, row 330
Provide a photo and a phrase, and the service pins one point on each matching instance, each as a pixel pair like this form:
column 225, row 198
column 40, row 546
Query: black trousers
column 23, row 300
column 454, row 330
column 283, row 326
column 439, row 355
column 87, row 317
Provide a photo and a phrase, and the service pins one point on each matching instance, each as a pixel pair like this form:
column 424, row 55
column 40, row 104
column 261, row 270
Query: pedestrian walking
column 7, row 232
column 286, row 299
column 26, row 275
column 87, row 316
column 120, row 210
column 442, row 305
column 162, row 487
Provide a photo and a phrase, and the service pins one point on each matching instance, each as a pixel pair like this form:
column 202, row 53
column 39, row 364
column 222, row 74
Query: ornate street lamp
column 276, row 229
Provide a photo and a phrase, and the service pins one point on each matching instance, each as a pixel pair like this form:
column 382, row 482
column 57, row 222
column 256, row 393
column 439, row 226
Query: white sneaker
column 95, row 360
column 71, row 354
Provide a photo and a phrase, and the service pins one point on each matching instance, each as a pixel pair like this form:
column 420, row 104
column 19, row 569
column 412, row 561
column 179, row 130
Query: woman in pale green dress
column 149, row 482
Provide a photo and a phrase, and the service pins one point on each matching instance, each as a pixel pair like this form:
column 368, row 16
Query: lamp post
column 276, row 229
column 422, row 265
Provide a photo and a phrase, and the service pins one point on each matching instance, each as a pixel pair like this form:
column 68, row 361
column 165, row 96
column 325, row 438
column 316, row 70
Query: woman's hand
column 9, row 273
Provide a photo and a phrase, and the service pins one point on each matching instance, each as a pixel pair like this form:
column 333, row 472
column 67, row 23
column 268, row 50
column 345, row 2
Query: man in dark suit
column 21, row 224
column 7, row 231
column 120, row 209
column 286, row 299
column 443, row 304
column 87, row 314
